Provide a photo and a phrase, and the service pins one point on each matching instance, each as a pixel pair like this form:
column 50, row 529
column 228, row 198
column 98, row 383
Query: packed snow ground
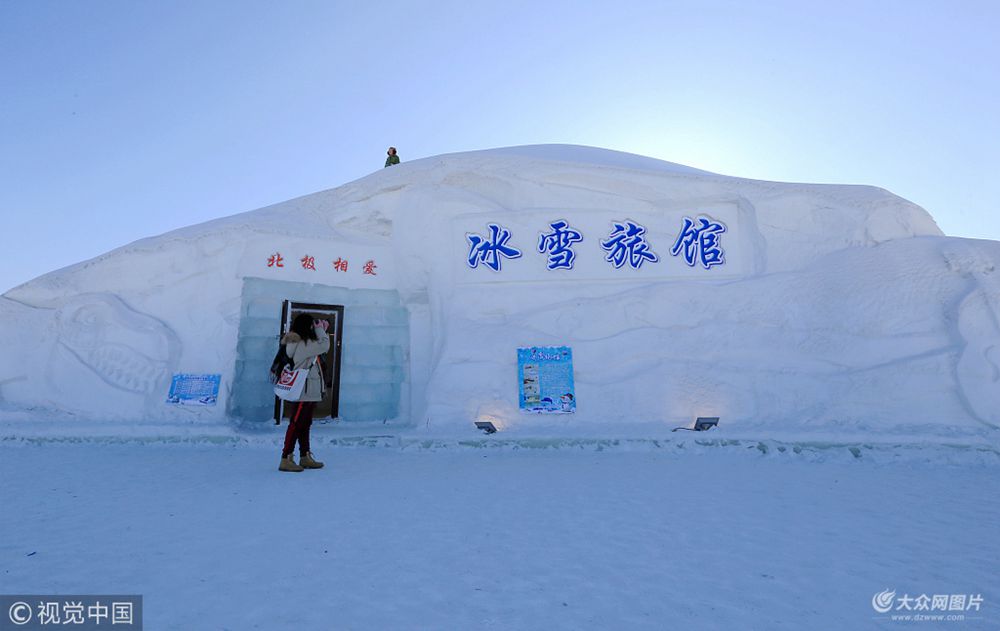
column 215, row 537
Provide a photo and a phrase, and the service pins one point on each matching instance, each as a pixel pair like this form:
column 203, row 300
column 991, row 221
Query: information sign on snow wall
column 188, row 389
column 545, row 378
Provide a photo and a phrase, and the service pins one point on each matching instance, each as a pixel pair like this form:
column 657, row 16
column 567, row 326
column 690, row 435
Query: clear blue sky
column 121, row 119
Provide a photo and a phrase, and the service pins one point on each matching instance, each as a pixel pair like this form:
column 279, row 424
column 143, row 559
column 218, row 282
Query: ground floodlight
column 704, row 423
column 701, row 424
column 486, row 426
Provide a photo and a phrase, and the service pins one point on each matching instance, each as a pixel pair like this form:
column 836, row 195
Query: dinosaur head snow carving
column 126, row 349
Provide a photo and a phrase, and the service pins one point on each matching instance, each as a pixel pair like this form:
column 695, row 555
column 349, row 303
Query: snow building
column 680, row 293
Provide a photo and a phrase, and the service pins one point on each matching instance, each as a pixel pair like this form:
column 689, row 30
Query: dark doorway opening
column 334, row 314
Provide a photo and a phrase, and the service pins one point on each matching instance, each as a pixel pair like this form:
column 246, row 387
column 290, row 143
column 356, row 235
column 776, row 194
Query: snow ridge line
column 811, row 451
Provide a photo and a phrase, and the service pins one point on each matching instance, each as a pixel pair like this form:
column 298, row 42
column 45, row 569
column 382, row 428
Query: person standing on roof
column 393, row 158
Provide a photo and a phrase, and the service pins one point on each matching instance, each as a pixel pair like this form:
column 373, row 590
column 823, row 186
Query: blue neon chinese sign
column 698, row 242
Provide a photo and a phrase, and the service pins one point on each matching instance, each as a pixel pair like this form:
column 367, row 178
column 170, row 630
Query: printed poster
column 545, row 378
column 188, row 389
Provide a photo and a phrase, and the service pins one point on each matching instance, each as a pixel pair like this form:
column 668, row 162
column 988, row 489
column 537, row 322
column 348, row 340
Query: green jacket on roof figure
column 393, row 158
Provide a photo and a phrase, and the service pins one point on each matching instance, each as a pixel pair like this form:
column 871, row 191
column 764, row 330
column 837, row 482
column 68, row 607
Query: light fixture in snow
column 701, row 424
column 487, row 426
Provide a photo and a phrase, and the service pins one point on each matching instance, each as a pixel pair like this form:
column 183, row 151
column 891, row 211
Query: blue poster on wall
column 194, row 389
column 545, row 378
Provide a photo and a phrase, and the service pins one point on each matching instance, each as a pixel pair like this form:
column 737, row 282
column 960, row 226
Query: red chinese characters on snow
column 340, row 264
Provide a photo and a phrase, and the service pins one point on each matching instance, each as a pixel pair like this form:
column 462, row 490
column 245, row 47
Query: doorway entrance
column 334, row 314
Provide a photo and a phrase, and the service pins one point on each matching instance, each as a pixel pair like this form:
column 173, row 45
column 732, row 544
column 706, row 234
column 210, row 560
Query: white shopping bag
column 290, row 383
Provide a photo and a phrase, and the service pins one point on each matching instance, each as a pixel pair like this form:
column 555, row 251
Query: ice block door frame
column 334, row 314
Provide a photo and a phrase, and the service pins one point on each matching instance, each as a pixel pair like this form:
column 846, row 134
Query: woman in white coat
column 304, row 343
